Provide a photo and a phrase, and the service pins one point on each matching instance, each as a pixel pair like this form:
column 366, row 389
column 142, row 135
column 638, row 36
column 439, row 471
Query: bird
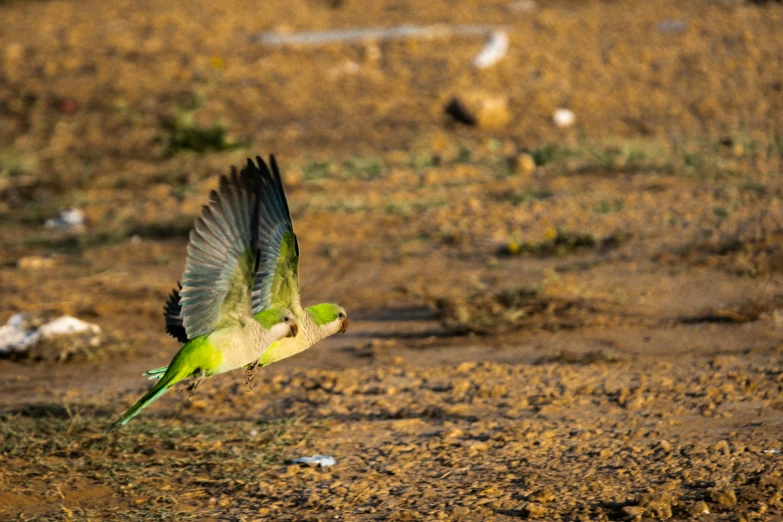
column 277, row 281
column 221, row 312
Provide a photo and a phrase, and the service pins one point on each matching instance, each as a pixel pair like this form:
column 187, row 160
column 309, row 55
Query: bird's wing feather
column 276, row 281
column 171, row 312
column 220, row 272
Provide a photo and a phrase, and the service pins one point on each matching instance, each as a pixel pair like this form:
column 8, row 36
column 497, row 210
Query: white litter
column 14, row 337
column 67, row 325
column 772, row 451
column 69, row 218
column 494, row 50
column 522, row 6
column 317, row 460
column 17, row 336
column 563, row 118
column 369, row 33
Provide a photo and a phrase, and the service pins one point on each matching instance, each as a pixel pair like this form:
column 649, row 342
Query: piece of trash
column 67, row 325
column 494, row 50
column 522, row 6
column 563, row 118
column 772, row 451
column 316, row 460
column 69, row 219
column 57, row 339
column 369, row 33
column 15, row 337
column 671, row 26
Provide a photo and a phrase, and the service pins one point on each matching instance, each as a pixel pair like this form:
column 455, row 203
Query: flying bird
column 222, row 312
column 276, row 284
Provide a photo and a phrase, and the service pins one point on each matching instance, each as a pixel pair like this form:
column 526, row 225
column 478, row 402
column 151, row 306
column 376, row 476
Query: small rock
column 481, row 109
column 525, row 164
column 658, row 504
column 544, row 494
column 35, row 262
column 533, row 510
column 66, row 105
column 699, row 508
column 723, row 497
column 661, row 508
column 633, row 511
column 563, row 118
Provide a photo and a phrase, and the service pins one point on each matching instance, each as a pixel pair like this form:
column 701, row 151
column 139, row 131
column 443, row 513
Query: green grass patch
column 184, row 134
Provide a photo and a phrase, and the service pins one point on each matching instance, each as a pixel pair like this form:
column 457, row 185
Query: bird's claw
column 249, row 375
column 198, row 378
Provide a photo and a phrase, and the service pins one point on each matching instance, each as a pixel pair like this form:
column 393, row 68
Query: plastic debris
column 522, row 6
column 15, row 337
column 672, row 26
column 369, row 33
column 563, row 118
column 67, row 325
column 316, row 460
column 69, row 219
column 772, row 451
column 494, row 50
column 22, row 333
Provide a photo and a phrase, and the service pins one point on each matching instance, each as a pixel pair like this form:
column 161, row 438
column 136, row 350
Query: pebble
column 525, row 164
column 479, row 108
column 35, row 262
column 563, row 118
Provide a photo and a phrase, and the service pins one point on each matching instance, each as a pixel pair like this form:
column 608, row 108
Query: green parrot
column 277, row 282
column 220, row 313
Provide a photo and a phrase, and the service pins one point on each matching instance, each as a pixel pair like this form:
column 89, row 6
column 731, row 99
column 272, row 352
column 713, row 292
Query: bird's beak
column 344, row 327
column 294, row 330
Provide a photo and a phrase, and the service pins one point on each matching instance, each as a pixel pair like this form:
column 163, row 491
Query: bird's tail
column 166, row 381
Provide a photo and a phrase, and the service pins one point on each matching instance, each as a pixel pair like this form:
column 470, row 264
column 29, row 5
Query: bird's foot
column 198, row 378
column 249, row 375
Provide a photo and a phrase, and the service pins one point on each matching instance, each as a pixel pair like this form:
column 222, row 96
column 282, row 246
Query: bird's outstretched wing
column 276, row 283
column 223, row 257
column 243, row 256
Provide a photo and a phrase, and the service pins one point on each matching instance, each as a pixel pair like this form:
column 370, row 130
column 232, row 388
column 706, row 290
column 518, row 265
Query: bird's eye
column 341, row 315
column 285, row 319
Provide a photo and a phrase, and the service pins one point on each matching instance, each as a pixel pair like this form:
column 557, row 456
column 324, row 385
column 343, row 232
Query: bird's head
column 330, row 317
column 280, row 321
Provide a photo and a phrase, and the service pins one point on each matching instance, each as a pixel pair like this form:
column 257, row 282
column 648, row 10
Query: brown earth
column 574, row 324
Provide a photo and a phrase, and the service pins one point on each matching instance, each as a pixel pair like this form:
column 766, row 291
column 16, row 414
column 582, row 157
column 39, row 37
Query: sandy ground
column 559, row 324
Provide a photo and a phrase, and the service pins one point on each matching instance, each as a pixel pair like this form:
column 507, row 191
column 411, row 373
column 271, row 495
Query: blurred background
column 590, row 184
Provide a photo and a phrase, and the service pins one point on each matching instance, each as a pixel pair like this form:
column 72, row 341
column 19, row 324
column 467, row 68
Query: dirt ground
column 580, row 323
